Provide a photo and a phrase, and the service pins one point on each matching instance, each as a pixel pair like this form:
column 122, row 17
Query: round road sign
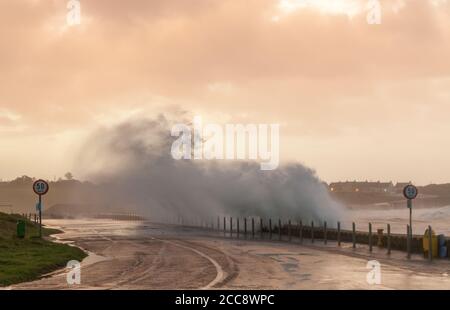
column 410, row 191
column 40, row 187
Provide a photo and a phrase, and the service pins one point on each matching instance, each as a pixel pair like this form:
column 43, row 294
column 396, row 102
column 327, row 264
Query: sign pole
column 410, row 217
column 410, row 192
column 40, row 187
column 40, row 216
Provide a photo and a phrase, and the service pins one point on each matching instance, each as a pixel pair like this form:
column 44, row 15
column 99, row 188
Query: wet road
column 132, row 255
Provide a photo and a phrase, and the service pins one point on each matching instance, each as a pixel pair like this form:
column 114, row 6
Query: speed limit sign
column 40, row 187
column 410, row 191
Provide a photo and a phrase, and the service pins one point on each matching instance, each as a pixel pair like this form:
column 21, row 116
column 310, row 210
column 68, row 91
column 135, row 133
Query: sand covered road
column 149, row 256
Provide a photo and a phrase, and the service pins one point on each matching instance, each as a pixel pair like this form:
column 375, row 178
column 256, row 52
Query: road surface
column 135, row 255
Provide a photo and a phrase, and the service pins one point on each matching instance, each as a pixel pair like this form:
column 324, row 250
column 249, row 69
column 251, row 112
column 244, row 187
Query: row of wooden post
column 325, row 231
column 31, row 216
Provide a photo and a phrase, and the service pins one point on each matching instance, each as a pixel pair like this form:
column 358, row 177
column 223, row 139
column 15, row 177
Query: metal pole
column 312, row 231
column 370, row 237
column 389, row 238
column 410, row 227
column 237, row 228
column 300, row 233
column 40, row 216
column 325, row 232
column 339, row 233
column 410, row 215
column 408, row 242
column 430, row 245
column 354, row 234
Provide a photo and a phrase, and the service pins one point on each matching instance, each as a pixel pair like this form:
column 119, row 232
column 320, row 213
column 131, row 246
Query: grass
column 29, row 258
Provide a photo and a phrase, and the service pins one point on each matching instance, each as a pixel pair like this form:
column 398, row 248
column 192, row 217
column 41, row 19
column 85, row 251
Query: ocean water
column 438, row 218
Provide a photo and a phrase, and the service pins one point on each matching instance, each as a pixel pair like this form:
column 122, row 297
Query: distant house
column 363, row 187
column 400, row 186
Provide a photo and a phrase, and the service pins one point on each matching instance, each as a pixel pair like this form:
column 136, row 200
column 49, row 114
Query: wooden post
column 261, row 227
column 354, row 234
column 279, row 230
column 430, row 244
column 224, row 225
column 237, row 227
column 312, row 231
column 231, row 227
column 253, row 228
column 370, row 237
column 218, row 223
column 245, row 228
column 300, row 231
column 325, row 232
column 289, row 231
column 339, row 233
column 270, row 229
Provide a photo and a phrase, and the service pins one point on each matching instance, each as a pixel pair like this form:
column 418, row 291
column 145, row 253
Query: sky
column 355, row 101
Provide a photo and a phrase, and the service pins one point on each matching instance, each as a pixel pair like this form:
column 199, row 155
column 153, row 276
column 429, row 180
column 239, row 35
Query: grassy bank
column 26, row 259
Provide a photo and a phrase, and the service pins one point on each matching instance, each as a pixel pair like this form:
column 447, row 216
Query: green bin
column 21, row 229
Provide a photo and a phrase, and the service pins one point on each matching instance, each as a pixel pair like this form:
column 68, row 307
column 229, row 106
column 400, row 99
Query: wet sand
column 132, row 255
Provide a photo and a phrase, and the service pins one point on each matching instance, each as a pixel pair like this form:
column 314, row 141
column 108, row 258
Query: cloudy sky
column 354, row 100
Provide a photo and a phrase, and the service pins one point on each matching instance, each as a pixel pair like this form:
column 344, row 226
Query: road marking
column 219, row 270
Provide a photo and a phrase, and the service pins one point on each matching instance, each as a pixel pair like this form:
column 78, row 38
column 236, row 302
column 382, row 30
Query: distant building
column 363, row 187
column 400, row 186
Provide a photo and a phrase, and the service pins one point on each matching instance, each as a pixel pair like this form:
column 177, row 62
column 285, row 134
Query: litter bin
column 442, row 244
column 380, row 238
column 21, row 229
column 434, row 244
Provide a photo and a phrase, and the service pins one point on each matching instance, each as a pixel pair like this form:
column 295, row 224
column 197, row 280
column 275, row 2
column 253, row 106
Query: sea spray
column 133, row 168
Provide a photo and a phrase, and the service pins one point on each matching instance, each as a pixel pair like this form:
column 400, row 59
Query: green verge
column 29, row 258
